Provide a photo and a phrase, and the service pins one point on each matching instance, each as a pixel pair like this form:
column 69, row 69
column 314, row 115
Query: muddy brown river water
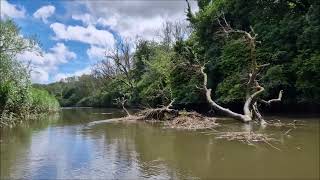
column 65, row 146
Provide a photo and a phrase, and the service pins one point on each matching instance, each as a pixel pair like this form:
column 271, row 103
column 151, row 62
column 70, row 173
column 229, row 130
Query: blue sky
column 74, row 35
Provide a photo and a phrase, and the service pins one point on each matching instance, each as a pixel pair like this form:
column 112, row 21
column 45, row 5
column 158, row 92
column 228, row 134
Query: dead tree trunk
column 122, row 101
column 219, row 108
column 253, row 89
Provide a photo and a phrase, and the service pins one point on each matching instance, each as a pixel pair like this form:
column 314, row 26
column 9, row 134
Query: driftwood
column 278, row 123
column 162, row 114
column 247, row 137
column 191, row 121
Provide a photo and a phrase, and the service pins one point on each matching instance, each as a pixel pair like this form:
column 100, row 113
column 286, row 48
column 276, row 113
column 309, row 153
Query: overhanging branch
column 273, row 100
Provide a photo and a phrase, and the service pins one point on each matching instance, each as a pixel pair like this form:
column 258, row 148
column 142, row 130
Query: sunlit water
column 66, row 147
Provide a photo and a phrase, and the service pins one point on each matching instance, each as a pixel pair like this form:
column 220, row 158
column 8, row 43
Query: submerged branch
column 247, row 137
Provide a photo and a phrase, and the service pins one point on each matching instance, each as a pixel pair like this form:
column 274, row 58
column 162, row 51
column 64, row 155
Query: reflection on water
column 66, row 147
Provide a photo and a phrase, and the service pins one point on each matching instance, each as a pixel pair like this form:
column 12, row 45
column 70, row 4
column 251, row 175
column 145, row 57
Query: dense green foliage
column 289, row 32
column 18, row 100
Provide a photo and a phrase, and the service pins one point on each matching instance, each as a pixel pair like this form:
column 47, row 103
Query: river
column 65, row 146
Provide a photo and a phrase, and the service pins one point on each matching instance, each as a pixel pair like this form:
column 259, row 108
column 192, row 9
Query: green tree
column 18, row 100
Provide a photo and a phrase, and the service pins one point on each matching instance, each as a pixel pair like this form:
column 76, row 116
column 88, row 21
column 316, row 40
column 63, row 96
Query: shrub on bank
column 42, row 101
column 18, row 109
column 19, row 101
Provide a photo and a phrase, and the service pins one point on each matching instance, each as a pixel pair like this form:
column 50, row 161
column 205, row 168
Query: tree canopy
column 153, row 73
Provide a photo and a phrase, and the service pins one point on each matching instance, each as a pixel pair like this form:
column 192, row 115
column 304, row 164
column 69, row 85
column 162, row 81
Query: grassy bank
column 35, row 105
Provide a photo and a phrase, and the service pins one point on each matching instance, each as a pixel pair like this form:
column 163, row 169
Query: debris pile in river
column 191, row 121
column 247, row 137
column 161, row 114
column 278, row 123
column 173, row 118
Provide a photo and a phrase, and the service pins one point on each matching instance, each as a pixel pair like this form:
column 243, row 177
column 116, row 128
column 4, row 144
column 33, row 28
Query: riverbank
column 11, row 120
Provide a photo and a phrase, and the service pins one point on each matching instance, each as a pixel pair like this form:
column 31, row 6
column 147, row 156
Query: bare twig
column 271, row 145
column 287, row 131
column 263, row 65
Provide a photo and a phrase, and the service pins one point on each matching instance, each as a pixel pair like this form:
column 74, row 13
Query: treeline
column 18, row 99
column 150, row 73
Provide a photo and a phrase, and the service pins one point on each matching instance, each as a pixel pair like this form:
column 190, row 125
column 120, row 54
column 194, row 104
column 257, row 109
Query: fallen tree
column 172, row 117
column 253, row 88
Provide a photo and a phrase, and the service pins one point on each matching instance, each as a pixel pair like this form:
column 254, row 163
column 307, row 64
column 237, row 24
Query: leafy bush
column 42, row 101
column 18, row 100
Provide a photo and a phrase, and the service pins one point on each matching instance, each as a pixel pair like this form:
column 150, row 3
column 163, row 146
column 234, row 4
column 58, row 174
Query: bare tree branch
column 118, row 61
column 226, row 111
column 122, row 101
column 274, row 100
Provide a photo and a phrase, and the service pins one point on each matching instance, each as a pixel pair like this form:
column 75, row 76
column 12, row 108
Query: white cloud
column 57, row 55
column 61, row 54
column 148, row 29
column 110, row 21
column 45, row 63
column 44, row 13
column 127, row 27
column 10, row 10
column 39, row 75
column 62, row 76
column 86, row 19
column 136, row 18
column 90, row 34
column 96, row 53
